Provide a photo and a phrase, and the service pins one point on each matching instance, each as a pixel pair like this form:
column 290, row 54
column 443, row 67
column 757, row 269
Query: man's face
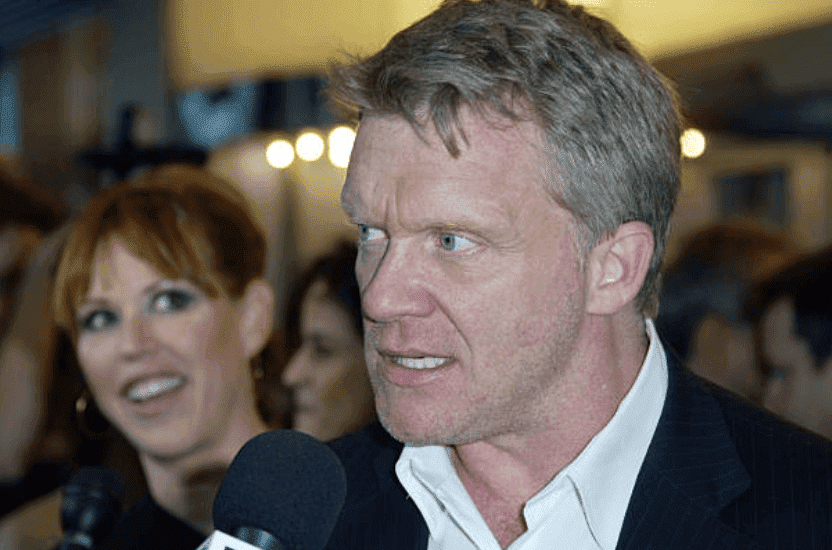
column 470, row 281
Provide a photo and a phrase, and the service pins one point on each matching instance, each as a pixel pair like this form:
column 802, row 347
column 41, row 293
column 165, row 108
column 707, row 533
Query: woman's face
column 331, row 389
column 796, row 390
column 167, row 365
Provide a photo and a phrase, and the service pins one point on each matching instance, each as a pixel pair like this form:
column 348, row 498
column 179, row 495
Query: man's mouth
column 420, row 363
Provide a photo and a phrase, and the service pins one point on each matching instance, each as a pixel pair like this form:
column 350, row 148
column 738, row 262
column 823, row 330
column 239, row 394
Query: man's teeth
column 153, row 388
column 420, row 362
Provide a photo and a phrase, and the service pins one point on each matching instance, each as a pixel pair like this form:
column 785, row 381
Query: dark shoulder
column 369, row 440
column 369, row 458
column 147, row 526
column 377, row 512
column 791, row 477
column 748, row 421
column 789, row 467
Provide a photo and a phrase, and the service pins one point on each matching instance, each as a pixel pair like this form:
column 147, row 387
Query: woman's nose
column 296, row 372
column 137, row 338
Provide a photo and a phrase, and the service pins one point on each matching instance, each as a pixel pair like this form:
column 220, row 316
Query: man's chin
column 421, row 434
column 410, row 433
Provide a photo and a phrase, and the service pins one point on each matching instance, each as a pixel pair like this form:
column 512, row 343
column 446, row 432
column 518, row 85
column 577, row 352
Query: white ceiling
column 213, row 41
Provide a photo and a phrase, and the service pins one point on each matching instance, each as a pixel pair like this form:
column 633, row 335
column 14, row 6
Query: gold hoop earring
column 90, row 420
column 257, row 368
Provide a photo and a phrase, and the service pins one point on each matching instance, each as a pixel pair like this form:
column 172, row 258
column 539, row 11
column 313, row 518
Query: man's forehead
column 509, row 142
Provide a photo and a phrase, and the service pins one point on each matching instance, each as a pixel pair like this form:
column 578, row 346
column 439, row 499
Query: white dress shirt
column 583, row 507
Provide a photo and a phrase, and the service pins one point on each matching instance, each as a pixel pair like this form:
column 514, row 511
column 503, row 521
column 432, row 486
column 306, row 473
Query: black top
column 38, row 481
column 719, row 474
column 147, row 526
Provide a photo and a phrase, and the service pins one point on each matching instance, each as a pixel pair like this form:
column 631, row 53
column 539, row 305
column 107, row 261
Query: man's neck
column 502, row 473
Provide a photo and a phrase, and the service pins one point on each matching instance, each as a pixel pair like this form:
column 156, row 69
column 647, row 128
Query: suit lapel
column 403, row 527
column 691, row 471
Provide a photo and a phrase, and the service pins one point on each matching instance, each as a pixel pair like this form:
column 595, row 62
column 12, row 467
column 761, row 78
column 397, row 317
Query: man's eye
column 454, row 243
column 368, row 233
column 171, row 300
column 98, row 320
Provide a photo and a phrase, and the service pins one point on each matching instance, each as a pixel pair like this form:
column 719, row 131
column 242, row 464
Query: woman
column 161, row 288
column 792, row 314
column 327, row 375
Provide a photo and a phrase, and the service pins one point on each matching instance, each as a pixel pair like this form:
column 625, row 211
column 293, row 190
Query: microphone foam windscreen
column 286, row 483
column 97, row 477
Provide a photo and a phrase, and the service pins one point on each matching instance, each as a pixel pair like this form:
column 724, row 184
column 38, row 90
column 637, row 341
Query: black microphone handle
column 76, row 541
column 259, row 538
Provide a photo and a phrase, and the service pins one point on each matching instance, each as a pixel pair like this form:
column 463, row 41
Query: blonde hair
column 610, row 120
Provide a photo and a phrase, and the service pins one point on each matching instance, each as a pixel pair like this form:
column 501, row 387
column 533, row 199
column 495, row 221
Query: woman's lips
column 305, row 405
column 153, row 387
column 154, row 394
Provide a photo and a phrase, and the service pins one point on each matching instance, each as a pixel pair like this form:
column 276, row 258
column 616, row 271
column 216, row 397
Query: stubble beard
column 523, row 408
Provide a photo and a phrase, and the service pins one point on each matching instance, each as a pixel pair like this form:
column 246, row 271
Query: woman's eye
column 780, row 374
column 171, row 300
column 451, row 242
column 368, row 233
column 97, row 321
column 321, row 351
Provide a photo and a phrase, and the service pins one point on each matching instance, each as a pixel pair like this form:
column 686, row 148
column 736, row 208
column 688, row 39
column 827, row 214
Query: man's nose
column 395, row 284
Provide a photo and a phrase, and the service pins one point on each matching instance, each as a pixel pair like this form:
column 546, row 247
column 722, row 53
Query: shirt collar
column 605, row 472
column 603, row 475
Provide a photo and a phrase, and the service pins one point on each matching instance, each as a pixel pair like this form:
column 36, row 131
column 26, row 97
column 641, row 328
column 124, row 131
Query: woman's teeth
column 420, row 362
column 154, row 387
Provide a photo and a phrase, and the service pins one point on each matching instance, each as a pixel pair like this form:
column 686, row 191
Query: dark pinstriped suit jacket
column 719, row 474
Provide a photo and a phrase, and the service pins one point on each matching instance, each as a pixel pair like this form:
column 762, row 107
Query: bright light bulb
column 309, row 146
column 280, row 153
column 340, row 146
column 693, row 143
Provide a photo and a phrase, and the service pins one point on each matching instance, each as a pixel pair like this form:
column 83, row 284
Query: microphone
column 283, row 491
column 90, row 507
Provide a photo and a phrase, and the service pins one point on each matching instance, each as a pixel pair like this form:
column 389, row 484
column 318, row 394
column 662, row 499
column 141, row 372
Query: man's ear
column 617, row 267
column 256, row 316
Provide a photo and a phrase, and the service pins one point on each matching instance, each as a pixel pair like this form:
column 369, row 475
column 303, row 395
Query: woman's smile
column 164, row 360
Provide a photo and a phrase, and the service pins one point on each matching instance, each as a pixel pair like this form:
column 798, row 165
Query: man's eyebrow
column 348, row 201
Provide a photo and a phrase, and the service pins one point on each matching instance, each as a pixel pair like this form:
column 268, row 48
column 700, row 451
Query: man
column 512, row 180
column 792, row 312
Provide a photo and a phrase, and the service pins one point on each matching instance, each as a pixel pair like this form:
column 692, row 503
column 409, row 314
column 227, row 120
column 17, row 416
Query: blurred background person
column 27, row 216
column 331, row 392
column 703, row 294
column 160, row 287
column 792, row 311
column 39, row 445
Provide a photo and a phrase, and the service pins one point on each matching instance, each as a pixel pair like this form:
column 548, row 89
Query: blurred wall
column 135, row 68
column 765, row 106
column 75, row 78
column 806, row 165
